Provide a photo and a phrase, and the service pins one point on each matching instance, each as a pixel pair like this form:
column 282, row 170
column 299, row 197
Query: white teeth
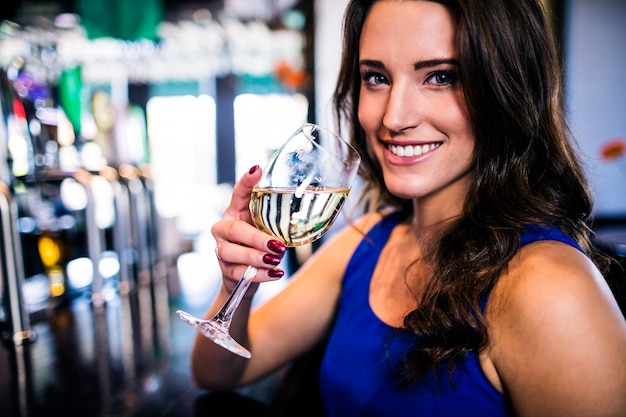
column 410, row 150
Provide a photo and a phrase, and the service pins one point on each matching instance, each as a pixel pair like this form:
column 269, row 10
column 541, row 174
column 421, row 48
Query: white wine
column 296, row 217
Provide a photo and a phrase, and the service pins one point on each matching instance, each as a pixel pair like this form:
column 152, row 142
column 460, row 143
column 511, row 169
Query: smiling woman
column 411, row 99
column 470, row 285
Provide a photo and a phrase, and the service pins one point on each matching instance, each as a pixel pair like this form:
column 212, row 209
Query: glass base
column 216, row 332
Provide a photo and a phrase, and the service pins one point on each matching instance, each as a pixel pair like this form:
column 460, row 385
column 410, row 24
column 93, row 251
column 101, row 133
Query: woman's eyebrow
column 417, row 66
column 372, row 63
column 435, row 62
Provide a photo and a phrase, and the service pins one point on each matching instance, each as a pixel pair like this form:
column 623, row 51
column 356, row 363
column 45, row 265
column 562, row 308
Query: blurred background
column 124, row 126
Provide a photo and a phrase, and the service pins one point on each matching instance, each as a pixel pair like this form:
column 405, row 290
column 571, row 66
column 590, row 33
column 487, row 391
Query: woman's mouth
column 412, row 150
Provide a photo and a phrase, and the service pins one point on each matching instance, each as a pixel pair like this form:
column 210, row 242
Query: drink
column 303, row 187
column 296, row 217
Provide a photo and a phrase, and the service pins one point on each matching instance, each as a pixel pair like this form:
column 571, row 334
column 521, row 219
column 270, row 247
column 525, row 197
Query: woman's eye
column 373, row 78
column 442, row 78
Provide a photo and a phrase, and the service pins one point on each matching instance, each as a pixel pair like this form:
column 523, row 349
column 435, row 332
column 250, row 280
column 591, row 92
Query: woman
column 469, row 287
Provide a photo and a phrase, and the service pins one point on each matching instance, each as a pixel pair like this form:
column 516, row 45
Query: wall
column 328, row 21
column 595, row 58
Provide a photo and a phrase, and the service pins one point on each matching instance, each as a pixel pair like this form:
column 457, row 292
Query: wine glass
column 302, row 189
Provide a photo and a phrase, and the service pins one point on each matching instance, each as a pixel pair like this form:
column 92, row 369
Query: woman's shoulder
column 549, row 276
column 361, row 225
column 550, row 313
column 352, row 232
column 549, row 268
column 339, row 247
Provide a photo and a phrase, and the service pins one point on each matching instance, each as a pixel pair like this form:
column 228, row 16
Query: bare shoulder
column 344, row 242
column 557, row 336
column 553, row 278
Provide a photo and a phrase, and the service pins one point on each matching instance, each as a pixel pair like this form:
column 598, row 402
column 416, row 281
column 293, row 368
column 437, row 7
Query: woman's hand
column 239, row 243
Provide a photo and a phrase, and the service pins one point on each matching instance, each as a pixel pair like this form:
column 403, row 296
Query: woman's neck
column 429, row 214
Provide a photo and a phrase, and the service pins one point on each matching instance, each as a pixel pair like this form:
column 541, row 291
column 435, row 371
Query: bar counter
column 99, row 361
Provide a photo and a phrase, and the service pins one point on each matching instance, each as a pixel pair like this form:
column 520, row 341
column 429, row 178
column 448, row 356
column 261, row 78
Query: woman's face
column 411, row 104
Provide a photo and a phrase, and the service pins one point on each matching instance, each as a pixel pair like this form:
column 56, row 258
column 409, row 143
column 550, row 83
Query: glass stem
column 225, row 315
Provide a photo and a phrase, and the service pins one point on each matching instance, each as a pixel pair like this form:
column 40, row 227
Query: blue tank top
column 358, row 375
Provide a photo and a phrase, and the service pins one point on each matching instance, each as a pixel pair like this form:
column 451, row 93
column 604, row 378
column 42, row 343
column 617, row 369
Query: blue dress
column 357, row 371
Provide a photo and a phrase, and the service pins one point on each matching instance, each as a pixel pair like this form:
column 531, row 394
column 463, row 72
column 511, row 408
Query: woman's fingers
column 235, row 272
column 239, row 243
column 234, row 253
column 240, row 200
column 241, row 233
column 234, row 258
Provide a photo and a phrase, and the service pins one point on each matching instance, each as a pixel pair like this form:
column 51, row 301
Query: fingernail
column 271, row 259
column 276, row 246
column 275, row 273
column 253, row 169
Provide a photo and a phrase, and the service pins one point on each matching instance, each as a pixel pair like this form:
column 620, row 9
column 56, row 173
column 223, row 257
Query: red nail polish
column 276, row 246
column 253, row 169
column 271, row 259
column 275, row 273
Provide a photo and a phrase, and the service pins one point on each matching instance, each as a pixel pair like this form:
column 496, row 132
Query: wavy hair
column 525, row 164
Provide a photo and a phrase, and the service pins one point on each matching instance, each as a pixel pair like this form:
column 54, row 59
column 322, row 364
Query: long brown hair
column 526, row 167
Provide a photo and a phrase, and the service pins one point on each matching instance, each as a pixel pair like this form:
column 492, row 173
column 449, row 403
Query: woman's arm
column 286, row 325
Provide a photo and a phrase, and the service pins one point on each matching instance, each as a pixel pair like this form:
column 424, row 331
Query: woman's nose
column 403, row 109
